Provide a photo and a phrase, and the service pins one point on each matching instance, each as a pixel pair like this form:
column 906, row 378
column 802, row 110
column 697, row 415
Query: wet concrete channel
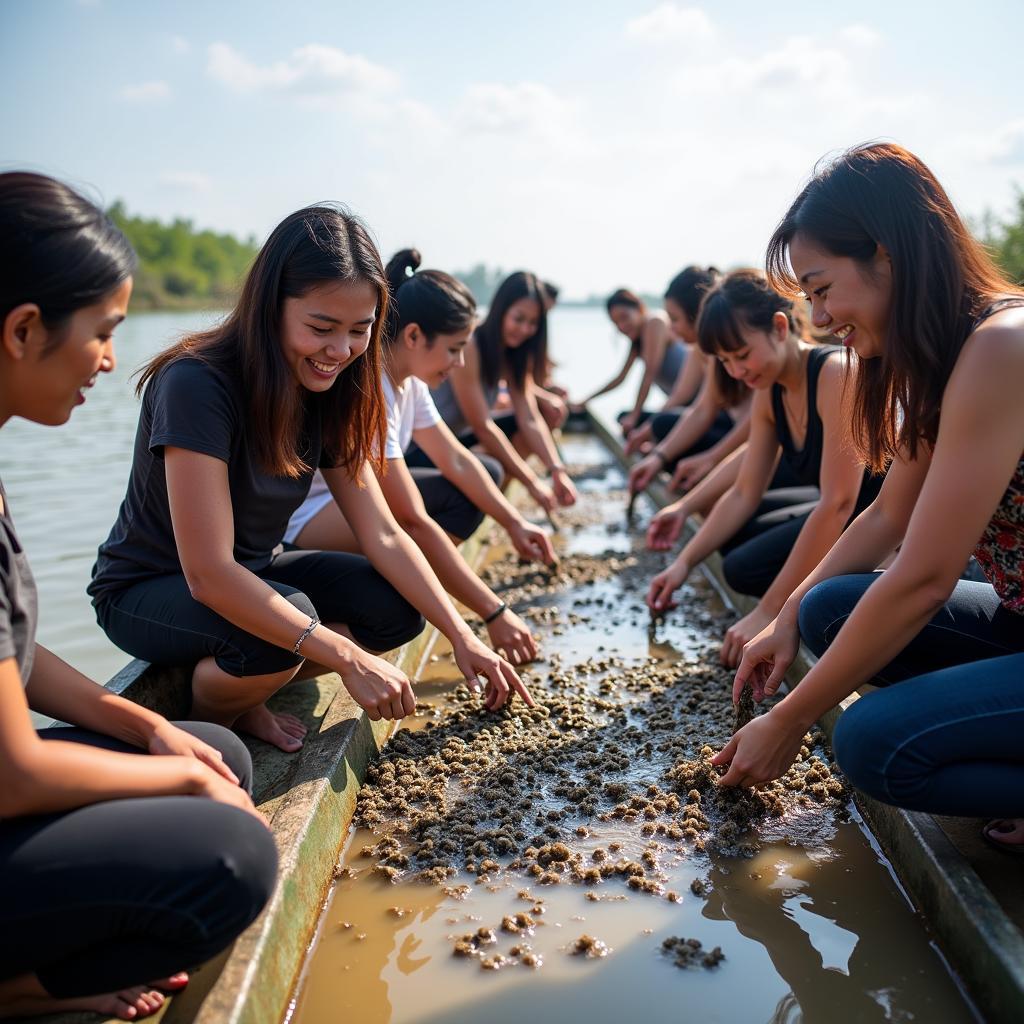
column 594, row 827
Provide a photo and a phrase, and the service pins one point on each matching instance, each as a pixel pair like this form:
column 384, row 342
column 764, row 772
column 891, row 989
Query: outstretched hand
column 766, row 659
column 475, row 659
column 763, row 750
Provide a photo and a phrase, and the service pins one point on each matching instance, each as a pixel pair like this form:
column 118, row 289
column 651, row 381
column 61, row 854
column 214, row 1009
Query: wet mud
column 588, row 834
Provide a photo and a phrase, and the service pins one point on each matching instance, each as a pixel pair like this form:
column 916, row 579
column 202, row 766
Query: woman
column 650, row 341
column 234, row 422
column 510, row 344
column 798, row 413
column 430, row 318
column 114, row 872
column 893, row 272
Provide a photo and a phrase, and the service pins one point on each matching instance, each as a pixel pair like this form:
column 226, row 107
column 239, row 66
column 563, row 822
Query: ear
column 19, row 326
column 780, row 326
column 412, row 336
column 881, row 262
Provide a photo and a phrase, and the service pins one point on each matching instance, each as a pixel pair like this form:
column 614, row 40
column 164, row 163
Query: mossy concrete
column 979, row 932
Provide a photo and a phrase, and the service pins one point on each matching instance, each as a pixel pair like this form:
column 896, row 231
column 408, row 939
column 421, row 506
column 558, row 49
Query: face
column 48, row 385
column 326, row 330
column 628, row 319
column 682, row 326
column 848, row 298
column 433, row 364
column 520, row 322
column 762, row 358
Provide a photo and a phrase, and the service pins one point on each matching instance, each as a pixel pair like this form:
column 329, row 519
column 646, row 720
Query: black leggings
column 159, row 621
column 446, row 504
column 755, row 554
column 663, row 422
column 505, row 421
column 124, row 892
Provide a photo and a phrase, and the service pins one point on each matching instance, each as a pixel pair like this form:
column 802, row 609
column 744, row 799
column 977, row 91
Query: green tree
column 1005, row 239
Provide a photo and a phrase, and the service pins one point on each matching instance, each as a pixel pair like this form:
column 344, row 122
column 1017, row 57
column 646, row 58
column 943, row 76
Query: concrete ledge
column 981, row 942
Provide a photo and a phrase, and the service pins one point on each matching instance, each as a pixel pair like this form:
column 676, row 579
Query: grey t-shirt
column 19, row 606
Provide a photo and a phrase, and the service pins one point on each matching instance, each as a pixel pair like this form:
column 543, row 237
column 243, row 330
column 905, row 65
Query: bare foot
column 175, row 983
column 1008, row 832
column 280, row 730
column 128, row 1004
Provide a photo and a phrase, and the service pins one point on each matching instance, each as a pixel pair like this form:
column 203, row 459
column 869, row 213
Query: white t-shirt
column 408, row 408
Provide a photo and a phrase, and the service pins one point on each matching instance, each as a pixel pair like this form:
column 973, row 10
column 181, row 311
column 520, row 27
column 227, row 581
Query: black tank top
column 805, row 463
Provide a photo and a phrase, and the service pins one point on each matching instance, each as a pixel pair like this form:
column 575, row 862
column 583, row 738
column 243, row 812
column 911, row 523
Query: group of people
column 304, row 471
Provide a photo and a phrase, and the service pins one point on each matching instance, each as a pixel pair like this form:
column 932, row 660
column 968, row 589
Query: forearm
column 688, row 430
column 539, row 441
column 610, row 386
column 451, row 569
column 731, row 512
column 739, row 435
column 497, row 444
column 823, row 528
column 469, row 476
column 716, row 483
column 645, row 388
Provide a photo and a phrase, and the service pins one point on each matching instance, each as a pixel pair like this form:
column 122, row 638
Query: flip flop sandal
column 1013, row 849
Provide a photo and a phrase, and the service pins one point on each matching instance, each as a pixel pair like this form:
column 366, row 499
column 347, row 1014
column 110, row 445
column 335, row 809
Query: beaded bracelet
column 313, row 623
column 500, row 610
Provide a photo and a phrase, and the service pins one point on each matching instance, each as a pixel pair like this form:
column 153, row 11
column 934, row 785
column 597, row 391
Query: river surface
column 65, row 484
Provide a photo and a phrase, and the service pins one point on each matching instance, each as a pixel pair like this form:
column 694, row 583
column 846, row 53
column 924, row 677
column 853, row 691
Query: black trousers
column 160, row 621
column 445, row 503
column 124, row 892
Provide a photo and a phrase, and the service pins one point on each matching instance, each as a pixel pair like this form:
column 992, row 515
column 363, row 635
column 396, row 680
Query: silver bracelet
column 313, row 623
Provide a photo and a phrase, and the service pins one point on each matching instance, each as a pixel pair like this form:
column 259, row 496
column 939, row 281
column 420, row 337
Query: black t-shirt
column 19, row 606
column 193, row 405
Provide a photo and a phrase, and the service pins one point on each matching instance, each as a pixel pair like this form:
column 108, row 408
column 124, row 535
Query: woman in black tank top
column 772, row 539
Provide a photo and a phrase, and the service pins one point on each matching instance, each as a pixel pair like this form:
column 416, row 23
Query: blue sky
column 599, row 143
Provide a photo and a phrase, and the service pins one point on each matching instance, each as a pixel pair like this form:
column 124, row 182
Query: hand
column 542, row 494
column 554, row 410
column 533, row 543
column 740, row 633
column 665, row 584
column 565, row 489
column 762, row 750
column 643, row 472
column 379, row 688
column 474, row 659
column 168, row 739
column 640, row 438
column 767, row 657
column 666, row 526
column 628, row 422
column 214, row 786
column 511, row 637
column 689, row 472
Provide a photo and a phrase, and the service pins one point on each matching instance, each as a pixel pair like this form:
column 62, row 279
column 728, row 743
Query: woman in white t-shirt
column 430, row 320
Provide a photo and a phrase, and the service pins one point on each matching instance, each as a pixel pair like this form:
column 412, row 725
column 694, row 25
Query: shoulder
column 993, row 355
column 190, row 376
column 656, row 324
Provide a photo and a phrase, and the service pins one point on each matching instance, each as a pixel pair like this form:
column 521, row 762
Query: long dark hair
column 942, row 279
column 688, row 287
column 495, row 360
column 57, row 250
column 436, row 301
column 741, row 299
column 318, row 245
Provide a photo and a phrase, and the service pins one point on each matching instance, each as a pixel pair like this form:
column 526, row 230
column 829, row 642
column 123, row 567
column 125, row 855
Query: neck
column 792, row 376
column 395, row 365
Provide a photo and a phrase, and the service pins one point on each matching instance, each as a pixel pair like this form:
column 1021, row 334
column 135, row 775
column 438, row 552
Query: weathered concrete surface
column 970, row 896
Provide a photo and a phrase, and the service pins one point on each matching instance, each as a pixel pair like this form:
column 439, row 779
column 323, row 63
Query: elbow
column 204, row 583
column 19, row 793
column 837, row 508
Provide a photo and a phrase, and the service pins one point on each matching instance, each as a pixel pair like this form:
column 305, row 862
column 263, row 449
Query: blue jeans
column 945, row 734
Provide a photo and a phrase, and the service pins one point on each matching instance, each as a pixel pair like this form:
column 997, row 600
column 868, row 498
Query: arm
column 615, row 381
column 45, row 776
column 688, row 383
column 462, row 468
column 508, row 632
column 538, row 438
column 976, row 453
column 653, row 342
column 731, row 511
column 473, row 403
column 393, row 554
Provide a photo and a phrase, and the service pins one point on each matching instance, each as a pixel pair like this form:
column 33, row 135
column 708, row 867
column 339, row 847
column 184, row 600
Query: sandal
column 992, row 829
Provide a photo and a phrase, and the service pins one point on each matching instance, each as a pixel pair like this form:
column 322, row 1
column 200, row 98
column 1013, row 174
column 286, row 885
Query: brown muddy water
column 577, row 862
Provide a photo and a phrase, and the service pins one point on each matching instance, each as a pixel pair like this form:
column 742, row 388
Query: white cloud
column 186, row 181
column 145, row 92
column 526, row 108
column 860, row 35
column 311, row 70
column 668, row 22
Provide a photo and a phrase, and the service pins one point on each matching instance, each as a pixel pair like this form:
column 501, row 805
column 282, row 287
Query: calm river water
column 65, row 484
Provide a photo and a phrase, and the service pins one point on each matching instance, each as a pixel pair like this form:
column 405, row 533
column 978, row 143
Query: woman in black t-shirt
column 112, row 873
column 234, row 423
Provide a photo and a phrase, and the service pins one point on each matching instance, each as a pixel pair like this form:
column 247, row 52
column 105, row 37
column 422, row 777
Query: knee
column 743, row 575
column 863, row 749
column 823, row 610
column 235, row 753
column 494, row 468
column 396, row 622
column 662, row 423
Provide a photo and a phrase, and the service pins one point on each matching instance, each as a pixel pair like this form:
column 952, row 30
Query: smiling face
column 520, row 322
column 628, row 319
column 850, row 299
column 52, row 369
column 682, row 326
column 761, row 359
column 434, row 362
column 327, row 329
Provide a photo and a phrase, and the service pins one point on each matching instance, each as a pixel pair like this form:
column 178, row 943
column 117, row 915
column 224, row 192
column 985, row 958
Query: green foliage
column 181, row 267
column 482, row 281
column 1005, row 239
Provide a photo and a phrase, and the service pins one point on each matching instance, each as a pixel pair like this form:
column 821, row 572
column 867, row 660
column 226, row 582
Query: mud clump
column 746, row 709
column 588, row 946
column 691, row 953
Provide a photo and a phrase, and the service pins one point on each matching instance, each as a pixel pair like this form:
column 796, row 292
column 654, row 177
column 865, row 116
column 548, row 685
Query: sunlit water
column 65, row 484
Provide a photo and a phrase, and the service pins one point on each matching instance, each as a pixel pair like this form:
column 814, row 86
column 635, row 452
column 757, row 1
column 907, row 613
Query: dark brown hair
column 880, row 194
column 436, row 301
column 495, row 359
column 318, row 245
column 742, row 299
column 689, row 286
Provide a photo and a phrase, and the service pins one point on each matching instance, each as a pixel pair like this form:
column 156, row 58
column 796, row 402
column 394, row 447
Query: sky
column 600, row 143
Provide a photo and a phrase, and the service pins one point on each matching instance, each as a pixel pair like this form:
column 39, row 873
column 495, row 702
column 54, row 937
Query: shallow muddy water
column 560, row 850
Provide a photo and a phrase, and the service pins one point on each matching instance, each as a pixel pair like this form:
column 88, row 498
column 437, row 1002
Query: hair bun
column 402, row 266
